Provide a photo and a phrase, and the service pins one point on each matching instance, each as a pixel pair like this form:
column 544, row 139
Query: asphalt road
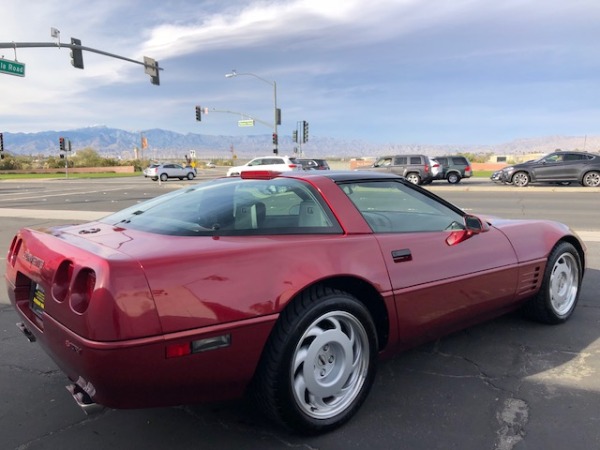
column 507, row 384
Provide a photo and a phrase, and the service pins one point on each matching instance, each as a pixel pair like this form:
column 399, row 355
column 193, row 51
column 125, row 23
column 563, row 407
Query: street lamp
column 277, row 114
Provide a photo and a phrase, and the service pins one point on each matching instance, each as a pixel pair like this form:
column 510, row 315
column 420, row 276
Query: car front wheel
column 520, row 179
column 556, row 300
column 319, row 363
column 591, row 179
column 190, row 176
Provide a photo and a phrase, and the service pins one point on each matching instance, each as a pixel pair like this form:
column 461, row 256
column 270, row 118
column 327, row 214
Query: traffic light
column 1, row 142
column 76, row 54
column 275, row 138
column 305, row 131
column 198, row 113
column 61, row 144
column 151, row 68
column 295, row 135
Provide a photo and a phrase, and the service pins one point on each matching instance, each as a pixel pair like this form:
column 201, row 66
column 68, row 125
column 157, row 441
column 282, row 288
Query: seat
column 311, row 215
column 250, row 216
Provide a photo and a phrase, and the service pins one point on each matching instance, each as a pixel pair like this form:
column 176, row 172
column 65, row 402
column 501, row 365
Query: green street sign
column 246, row 123
column 12, row 67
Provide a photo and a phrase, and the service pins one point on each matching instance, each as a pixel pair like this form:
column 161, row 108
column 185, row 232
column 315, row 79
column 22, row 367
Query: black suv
column 558, row 167
column 453, row 168
column 416, row 168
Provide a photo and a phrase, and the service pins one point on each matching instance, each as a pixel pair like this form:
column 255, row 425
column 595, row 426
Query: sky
column 438, row 72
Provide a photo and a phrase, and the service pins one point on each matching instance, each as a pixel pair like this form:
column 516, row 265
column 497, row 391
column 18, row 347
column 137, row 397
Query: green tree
column 88, row 157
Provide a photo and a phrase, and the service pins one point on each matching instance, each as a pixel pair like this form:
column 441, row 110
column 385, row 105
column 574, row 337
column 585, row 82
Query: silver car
column 169, row 170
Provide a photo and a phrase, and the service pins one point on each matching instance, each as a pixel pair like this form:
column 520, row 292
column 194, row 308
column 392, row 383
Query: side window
column 572, row 157
column 280, row 207
column 400, row 161
column 255, row 162
column 415, row 160
column 395, row 207
column 383, row 162
column 554, row 158
column 459, row 161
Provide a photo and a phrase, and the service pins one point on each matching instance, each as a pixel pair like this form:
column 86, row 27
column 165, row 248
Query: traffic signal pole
column 150, row 65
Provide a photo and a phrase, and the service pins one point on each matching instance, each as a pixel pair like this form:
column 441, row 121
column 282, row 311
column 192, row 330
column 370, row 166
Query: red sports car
column 289, row 287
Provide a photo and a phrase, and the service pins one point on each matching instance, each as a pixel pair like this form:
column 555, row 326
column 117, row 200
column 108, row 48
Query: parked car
column 210, row 165
column 560, row 167
column 165, row 302
column 415, row 168
column 313, row 164
column 169, row 170
column 275, row 163
column 454, row 168
column 437, row 171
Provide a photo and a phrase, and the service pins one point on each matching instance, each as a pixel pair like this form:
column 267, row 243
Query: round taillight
column 62, row 280
column 81, row 292
column 14, row 250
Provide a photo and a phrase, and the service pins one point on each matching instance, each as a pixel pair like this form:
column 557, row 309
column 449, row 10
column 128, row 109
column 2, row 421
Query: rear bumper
column 137, row 373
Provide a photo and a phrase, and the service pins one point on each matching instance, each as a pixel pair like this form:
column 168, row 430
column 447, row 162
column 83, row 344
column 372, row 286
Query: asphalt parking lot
column 507, row 384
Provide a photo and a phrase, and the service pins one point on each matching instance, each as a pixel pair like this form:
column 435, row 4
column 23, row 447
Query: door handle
column 402, row 255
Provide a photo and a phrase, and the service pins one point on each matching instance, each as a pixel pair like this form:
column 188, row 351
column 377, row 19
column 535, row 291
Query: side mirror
column 473, row 225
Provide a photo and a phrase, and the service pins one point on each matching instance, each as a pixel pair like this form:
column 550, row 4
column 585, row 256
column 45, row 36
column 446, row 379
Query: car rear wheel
column 414, row 178
column 319, row 363
column 591, row 179
column 163, row 177
column 556, row 300
column 520, row 179
column 453, row 178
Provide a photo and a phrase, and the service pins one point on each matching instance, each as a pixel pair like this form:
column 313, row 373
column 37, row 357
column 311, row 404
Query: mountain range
column 117, row 143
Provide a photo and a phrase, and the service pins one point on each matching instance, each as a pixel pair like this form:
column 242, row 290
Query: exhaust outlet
column 83, row 400
column 28, row 334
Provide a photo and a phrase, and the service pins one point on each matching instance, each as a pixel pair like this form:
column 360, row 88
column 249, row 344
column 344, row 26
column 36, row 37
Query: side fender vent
column 529, row 281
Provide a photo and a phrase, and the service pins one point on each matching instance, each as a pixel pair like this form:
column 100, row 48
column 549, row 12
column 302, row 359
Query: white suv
column 275, row 163
column 169, row 170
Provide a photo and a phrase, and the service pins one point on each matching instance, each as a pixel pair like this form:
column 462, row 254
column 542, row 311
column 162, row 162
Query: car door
column 552, row 168
column 437, row 287
column 399, row 165
column 178, row 171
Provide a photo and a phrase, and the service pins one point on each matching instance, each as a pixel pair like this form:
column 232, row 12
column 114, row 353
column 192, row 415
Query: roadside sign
column 12, row 67
column 246, row 123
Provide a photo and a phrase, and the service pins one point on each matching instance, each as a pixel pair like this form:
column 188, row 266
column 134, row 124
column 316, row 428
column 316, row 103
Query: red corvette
column 289, row 287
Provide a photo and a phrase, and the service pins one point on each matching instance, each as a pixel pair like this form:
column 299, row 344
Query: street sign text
column 12, row 67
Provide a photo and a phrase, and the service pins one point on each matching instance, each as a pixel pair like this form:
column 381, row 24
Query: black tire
column 520, row 179
column 163, row 177
column 558, row 295
column 190, row 176
column 413, row 177
column 319, row 363
column 591, row 179
column 453, row 178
